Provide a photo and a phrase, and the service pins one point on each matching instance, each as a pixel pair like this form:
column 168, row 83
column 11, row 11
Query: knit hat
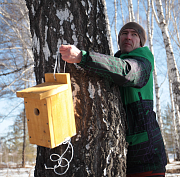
column 138, row 28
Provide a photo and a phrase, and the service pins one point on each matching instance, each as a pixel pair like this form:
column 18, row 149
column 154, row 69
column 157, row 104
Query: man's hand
column 70, row 53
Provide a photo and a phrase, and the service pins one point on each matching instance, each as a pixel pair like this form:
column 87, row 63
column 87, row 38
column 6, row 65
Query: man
column 131, row 69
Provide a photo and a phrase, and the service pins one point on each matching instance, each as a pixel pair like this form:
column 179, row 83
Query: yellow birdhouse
column 49, row 110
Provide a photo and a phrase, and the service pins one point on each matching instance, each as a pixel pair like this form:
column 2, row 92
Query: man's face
column 129, row 40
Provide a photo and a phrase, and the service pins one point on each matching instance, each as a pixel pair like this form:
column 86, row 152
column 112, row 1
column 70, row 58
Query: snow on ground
column 18, row 172
column 29, row 171
column 173, row 166
column 172, row 175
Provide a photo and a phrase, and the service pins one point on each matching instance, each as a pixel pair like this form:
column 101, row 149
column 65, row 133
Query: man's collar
column 117, row 54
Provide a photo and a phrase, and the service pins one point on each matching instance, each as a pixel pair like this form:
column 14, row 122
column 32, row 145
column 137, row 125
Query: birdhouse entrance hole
column 36, row 111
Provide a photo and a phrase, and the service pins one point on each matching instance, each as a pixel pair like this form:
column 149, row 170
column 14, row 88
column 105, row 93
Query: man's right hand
column 70, row 53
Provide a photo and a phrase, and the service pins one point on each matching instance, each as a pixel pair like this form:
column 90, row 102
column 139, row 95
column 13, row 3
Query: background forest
column 160, row 18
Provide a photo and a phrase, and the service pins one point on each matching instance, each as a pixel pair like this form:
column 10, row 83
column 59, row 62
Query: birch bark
column 177, row 132
column 131, row 12
column 175, row 125
column 115, row 22
column 176, row 39
column 138, row 11
column 122, row 14
column 100, row 145
column 150, row 38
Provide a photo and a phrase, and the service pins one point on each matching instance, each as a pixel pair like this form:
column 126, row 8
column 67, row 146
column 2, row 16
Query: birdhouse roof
column 42, row 91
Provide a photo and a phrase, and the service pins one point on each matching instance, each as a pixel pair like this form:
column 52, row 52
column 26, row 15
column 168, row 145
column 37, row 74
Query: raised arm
column 129, row 72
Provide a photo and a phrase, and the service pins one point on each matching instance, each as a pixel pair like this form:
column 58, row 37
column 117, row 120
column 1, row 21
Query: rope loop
column 60, row 159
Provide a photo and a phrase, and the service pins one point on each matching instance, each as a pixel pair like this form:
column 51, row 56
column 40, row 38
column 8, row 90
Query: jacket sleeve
column 131, row 72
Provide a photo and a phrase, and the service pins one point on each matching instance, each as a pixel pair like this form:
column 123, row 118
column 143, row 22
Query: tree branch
column 17, row 70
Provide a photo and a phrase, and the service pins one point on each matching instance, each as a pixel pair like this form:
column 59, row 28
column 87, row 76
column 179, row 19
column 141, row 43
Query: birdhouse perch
column 49, row 110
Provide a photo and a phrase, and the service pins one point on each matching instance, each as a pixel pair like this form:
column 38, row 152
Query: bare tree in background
column 175, row 125
column 173, row 72
column 99, row 146
column 16, row 54
column 122, row 14
column 115, row 21
column 131, row 11
column 137, row 11
column 15, row 41
column 150, row 31
column 163, row 21
column 174, row 16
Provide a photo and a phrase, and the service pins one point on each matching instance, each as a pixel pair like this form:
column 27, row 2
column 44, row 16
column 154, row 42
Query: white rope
column 57, row 64
column 59, row 58
column 61, row 158
column 65, row 67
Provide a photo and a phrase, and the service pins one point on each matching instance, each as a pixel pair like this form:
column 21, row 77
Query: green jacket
column 133, row 72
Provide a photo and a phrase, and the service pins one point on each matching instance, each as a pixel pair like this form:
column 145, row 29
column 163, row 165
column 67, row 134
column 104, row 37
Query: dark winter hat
column 138, row 28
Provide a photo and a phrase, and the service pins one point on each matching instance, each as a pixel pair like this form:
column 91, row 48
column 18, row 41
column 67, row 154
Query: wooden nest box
column 49, row 110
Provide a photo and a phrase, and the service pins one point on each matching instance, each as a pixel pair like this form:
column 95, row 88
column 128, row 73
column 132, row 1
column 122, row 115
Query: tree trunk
column 176, row 135
column 171, row 62
column 122, row 12
column 158, row 106
column 24, row 138
column 131, row 11
column 99, row 146
column 115, row 22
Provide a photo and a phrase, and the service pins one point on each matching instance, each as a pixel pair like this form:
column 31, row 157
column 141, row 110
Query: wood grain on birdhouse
column 49, row 110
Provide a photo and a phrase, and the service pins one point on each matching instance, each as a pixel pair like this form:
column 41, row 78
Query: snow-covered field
column 18, row 172
column 29, row 171
column 173, row 166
